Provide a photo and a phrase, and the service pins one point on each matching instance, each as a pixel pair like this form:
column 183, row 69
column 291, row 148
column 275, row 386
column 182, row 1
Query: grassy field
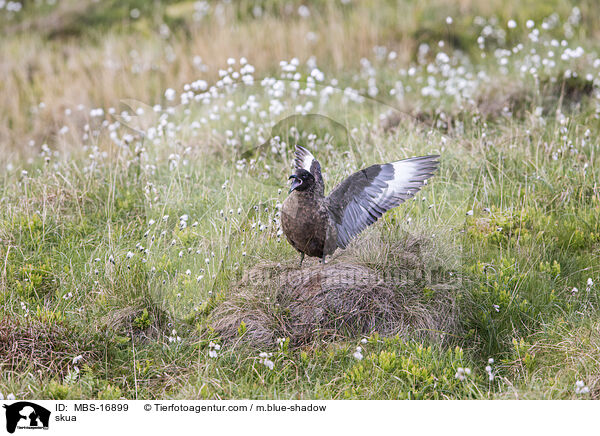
column 146, row 148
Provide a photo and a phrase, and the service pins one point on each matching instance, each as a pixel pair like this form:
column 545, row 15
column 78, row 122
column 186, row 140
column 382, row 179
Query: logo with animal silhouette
column 26, row 415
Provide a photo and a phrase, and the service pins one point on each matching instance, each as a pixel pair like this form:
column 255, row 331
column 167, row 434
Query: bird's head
column 301, row 181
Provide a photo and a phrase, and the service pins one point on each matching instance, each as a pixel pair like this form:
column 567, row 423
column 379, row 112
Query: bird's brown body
column 308, row 229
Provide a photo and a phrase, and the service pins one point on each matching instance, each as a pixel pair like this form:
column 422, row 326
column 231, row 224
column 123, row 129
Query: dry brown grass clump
column 502, row 99
column 39, row 346
column 347, row 297
column 517, row 99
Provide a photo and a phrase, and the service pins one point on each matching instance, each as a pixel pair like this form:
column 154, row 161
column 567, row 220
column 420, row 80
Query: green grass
column 516, row 201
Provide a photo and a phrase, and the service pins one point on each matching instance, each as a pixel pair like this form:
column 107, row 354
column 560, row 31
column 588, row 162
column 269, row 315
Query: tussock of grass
column 346, row 298
column 569, row 89
column 34, row 345
column 504, row 98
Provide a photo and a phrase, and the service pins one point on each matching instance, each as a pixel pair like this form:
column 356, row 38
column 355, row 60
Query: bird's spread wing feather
column 305, row 160
column 363, row 197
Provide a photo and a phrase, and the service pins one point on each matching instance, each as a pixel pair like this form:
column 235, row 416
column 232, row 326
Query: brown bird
column 317, row 225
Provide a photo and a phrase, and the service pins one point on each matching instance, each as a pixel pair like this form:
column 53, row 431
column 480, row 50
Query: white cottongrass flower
column 264, row 359
column 170, row 94
column 303, row 11
column 76, row 359
column 213, row 349
column 358, row 354
column 174, row 337
column 11, row 397
column 462, row 373
column 490, row 374
column 129, row 254
column 581, row 388
column 512, row 24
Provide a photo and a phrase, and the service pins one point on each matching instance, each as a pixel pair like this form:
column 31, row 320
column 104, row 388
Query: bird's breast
column 306, row 224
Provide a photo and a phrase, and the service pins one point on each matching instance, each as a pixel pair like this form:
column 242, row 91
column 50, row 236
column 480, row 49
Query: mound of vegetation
column 39, row 345
column 346, row 298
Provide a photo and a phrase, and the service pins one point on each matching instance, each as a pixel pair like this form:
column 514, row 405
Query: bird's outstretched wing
column 362, row 198
column 305, row 160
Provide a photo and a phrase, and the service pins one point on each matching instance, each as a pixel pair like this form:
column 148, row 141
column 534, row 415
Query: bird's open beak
column 295, row 183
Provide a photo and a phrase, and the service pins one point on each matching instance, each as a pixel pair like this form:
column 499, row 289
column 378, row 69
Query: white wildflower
column 581, row 388
column 462, row 373
column 488, row 369
column 213, row 349
column 170, row 94
column 264, row 359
